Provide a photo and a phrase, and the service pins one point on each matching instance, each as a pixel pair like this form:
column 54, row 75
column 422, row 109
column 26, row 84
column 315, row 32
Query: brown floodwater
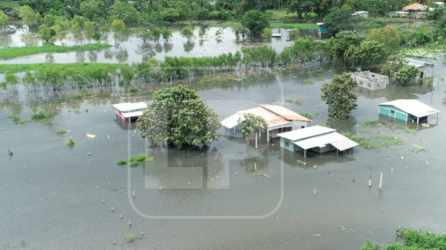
column 58, row 197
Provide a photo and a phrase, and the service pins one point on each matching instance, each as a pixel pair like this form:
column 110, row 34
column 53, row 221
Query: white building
column 370, row 80
column 425, row 69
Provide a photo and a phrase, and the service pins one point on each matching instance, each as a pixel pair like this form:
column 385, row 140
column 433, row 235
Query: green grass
column 129, row 238
column 89, row 154
column 60, row 131
column 81, row 95
column 76, row 67
column 133, row 90
column 377, row 142
column 10, row 4
column 280, row 14
column 121, row 161
column 371, row 123
column 70, row 142
column 43, row 115
column 15, row 52
column 307, row 115
column 418, row 149
column 301, row 26
column 135, row 160
column 14, row 118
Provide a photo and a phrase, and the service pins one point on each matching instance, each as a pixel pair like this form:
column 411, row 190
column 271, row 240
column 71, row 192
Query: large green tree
column 255, row 21
column 342, row 43
column 301, row 7
column 29, row 16
column 3, row 19
column 339, row 96
column 367, row 55
column 338, row 21
column 178, row 116
column 388, row 36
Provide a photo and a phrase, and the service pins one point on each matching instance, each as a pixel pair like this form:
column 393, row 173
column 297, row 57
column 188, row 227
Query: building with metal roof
column 278, row 119
column 130, row 110
column 425, row 69
column 316, row 138
column 407, row 110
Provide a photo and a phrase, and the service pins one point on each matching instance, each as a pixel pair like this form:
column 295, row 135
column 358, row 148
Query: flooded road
column 57, row 197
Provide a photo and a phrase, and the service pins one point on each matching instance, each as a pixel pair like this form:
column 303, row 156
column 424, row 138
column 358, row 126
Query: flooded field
column 59, row 197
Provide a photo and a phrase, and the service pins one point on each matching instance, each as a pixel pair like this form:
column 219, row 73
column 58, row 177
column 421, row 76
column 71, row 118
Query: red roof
column 415, row 6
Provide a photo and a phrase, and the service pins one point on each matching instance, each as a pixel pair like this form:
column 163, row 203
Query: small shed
column 407, row 110
column 316, row 138
column 363, row 14
column 425, row 69
column 129, row 110
column 370, row 80
column 401, row 14
column 279, row 119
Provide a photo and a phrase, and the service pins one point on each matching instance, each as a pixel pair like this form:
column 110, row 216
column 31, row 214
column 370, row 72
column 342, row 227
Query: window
column 392, row 111
column 287, row 144
column 302, row 127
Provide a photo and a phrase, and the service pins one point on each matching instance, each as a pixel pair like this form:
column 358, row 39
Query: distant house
column 401, row 14
column 316, row 138
column 425, row 69
column 321, row 29
column 407, row 110
column 129, row 110
column 363, row 14
column 279, row 119
column 370, row 80
column 415, row 7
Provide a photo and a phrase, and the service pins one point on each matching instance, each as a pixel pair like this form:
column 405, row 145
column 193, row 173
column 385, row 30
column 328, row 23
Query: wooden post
column 381, row 181
column 305, row 153
column 255, row 166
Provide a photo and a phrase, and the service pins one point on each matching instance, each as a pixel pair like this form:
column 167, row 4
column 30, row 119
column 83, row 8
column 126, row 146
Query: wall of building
column 397, row 113
column 285, row 143
column 299, row 124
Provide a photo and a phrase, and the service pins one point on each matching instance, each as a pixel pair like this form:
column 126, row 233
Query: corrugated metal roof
column 337, row 140
column 232, row 121
column 413, row 107
column 415, row 6
column 129, row 107
column 269, row 117
column 132, row 114
column 418, row 63
column 284, row 112
column 305, row 133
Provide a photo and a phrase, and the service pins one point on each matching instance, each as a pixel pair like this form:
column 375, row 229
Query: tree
column 89, row 30
column 338, row 21
column 11, row 81
column 77, row 32
column 125, row 12
column 440, row 29
column 178, row 116
column 166, row 33
column 187, row 33
column 252, row 123
column 91, row 9
column 388, row 36
column 341, row 43
column 117, row 25
column 3, row 19
column 339, row 96
column 406, row 75
column 366, row 55
column 29, row 16
column 255, row 21
column 374, row 7
column 46, row 33
column 300, row 7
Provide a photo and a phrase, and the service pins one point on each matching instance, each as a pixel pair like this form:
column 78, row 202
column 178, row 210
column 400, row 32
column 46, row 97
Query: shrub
column 122, row 161
column 43, row 115
column 70, row 142
column 60, row 131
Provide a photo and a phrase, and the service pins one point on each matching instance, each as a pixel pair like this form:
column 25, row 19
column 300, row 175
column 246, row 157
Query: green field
column 10, row 53
column 10, row 4
column 273, row 25
column 76, row 67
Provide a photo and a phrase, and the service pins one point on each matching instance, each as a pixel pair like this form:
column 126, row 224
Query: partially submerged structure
column 415, row 7
column 425, row 69
column 364, row 14
column 407, row 110
column 278, row 119
column 370, row 80
column 129, row 110
column 316, row 138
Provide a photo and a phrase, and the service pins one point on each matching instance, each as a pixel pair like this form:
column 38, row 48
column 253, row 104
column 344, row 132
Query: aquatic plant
column 122, row 161
column 14, row 118
column 23, row 242
column 418, row 149
column 129, row 238
column 377, row 142
column 14, row 52
column 371, row 123
column 305, row 114
column 308, row 81
column 409, row 130
column 43, row 115
column 133, row 90
column 60, row 131
column 89, row 154
column 70, row 142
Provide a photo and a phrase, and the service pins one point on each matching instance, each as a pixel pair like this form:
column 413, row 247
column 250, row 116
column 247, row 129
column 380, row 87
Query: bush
column 267, row 32
column 60, row 131
column 43, row 115
column 219, row 15
column 170, row 14
column 70, row 142
column 294, row 34
column 129, row 238
column 122, row 161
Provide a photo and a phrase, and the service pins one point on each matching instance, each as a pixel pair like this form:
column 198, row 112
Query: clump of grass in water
column 133, row 90
column 377, row 142
column 129, row 238
column 409, row 130
column 43, row 115
column 371, row 123
column 307, row 115
column 14, row 118
column 60, row 131
column 308, row 81
column 418, row 149
column 81, row 95
column 70, row 142
column 135, row 160
column 89, row 154
column 122, row 161
column 23, row 243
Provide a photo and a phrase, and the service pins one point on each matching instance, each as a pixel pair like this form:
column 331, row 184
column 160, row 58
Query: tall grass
column 43, row 115
column 74, row 67
column 14, row 52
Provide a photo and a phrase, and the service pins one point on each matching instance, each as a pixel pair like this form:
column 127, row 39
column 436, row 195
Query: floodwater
column 56, row 197
column 128, row 47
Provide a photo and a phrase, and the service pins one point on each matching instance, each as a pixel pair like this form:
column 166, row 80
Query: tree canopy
column 255, row 21
column 338, row 21
column 339, row 96
column 252, row 123
column 178, row 116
